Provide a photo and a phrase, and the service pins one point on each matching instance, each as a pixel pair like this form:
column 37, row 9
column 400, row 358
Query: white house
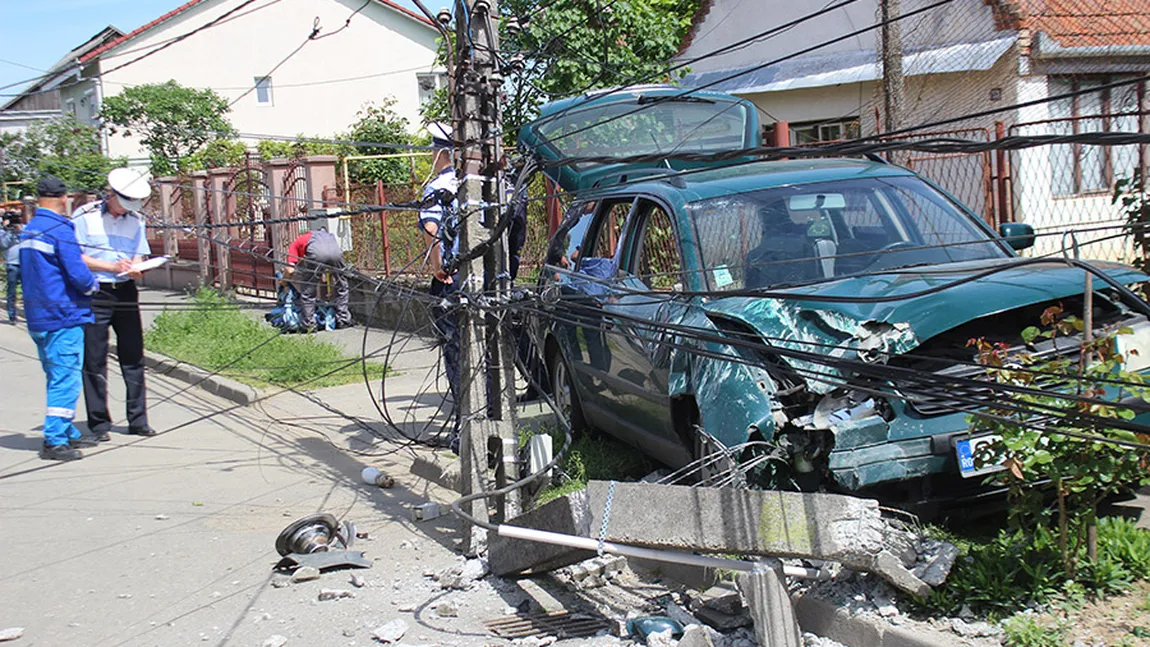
column 963, row 57
column 288, row 68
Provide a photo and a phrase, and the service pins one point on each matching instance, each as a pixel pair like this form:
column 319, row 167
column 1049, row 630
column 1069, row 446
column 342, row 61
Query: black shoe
column 84, row 441
column 141, row 431
column 101, row 436
column 60, row 453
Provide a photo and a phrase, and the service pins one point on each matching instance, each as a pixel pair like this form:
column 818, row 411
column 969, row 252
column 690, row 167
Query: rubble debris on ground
column 390, row 632
column 275, row 641
column 11, row 633
column 464, row 575
column 303, row 574
column 334, row 594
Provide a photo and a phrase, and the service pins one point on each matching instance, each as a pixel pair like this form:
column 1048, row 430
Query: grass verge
column 591, row 458
column 215, row 332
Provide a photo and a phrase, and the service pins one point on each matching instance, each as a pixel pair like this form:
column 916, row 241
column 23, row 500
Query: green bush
column 216, row 335
column 597, row 458
column 1000, row 575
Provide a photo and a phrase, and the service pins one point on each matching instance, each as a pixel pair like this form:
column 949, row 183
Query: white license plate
column 967, row 448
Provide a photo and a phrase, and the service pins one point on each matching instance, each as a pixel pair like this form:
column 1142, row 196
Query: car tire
column 565, row 396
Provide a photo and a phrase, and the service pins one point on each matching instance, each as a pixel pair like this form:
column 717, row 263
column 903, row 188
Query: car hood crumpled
column 866, row 330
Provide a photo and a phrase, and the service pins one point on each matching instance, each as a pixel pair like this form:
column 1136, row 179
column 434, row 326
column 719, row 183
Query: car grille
column 949, row 391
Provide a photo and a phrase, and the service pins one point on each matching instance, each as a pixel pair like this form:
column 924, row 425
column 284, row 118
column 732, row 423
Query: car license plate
column 967, row 448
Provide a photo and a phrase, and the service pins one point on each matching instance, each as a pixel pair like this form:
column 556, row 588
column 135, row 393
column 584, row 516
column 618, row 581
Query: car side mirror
column 1018, row 235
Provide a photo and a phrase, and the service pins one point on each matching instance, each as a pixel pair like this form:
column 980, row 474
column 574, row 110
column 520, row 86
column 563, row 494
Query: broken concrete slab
column 569, row 515
column 831, row 527
column 445, row 475
column 770, row 605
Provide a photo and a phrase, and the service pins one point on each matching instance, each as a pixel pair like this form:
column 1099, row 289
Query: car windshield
column 811, row 232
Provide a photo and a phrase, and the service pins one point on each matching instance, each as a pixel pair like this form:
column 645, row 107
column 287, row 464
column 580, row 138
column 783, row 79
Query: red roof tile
column 1082, row 23
column 191, row 3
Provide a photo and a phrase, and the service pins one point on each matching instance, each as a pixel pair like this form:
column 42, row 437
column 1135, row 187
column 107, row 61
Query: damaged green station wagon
column 814, row 305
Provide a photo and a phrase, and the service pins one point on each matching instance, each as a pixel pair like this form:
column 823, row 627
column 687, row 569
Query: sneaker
column 83, row 441
column 141, row 431
column 60, row 453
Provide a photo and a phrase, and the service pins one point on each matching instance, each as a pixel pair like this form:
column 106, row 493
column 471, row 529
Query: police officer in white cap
column 439, row 192
column 114, row 240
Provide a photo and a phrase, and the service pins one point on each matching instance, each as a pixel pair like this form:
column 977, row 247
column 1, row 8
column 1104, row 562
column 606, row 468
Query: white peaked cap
column 130, row 186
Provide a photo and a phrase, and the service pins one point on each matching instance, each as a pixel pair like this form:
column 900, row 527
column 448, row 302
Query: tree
column 379, row 124
column 172, row 121
column 567, row 48
column 62, row 147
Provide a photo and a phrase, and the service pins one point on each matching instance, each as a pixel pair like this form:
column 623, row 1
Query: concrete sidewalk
column 170, row 540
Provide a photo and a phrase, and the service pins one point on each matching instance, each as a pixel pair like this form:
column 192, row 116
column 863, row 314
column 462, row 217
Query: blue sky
column 37, row 33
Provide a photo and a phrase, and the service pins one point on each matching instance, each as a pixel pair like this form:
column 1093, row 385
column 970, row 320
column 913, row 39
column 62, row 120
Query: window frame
column 1106, row 116
column 635, row 239
column 268, row 89
column 602, row 212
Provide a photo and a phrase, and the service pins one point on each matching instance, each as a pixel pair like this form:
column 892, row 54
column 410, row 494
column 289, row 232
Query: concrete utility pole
column 893, row 88
column 485, row 354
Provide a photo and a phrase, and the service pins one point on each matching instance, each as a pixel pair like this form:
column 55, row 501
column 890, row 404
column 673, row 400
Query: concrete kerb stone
column 822, row 618
column 225, row 388
column 568, row 515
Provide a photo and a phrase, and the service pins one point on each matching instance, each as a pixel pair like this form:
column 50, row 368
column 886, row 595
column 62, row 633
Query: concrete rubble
column 391, row 632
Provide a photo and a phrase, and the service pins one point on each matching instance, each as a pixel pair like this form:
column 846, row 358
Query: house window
column 1078, row 169
column 264, row 90
column 70, row 107
column 813, row 132
column 429, row 84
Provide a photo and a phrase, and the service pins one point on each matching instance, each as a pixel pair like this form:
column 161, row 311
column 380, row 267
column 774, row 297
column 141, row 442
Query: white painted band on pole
column 676, row 557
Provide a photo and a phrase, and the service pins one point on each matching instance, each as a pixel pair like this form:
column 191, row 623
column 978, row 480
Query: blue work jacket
column 57, row 284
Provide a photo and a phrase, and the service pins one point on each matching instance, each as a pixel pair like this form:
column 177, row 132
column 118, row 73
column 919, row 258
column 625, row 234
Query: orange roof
column 192, row 3
column 1082, row 23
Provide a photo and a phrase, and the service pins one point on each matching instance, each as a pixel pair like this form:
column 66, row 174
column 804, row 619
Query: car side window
column 603, row 237
column 563, row 251
column 658, row 262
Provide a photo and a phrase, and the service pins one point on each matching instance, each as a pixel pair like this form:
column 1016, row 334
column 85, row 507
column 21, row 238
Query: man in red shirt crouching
column 309, row 256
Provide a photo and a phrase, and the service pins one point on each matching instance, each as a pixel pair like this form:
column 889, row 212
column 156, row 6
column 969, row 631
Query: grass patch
column 593, row 458
column 214, row 333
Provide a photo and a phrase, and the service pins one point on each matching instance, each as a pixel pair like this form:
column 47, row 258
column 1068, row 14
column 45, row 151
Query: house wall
column 380, row 48
column 1035, row 202
column 730, row 21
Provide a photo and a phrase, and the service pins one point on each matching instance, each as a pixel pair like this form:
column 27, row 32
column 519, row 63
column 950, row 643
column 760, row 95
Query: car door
column 647, row 297
column 585, row 338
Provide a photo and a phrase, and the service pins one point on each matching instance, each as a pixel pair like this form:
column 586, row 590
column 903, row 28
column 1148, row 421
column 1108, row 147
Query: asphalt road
column 170, row 540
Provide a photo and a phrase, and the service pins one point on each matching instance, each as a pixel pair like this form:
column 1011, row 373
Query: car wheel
column 566, row 398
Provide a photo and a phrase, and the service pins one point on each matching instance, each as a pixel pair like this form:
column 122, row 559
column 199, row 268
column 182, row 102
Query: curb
column 824, row 619
column 228, row 389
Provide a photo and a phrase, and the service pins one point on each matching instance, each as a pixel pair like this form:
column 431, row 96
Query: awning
column 822, row 70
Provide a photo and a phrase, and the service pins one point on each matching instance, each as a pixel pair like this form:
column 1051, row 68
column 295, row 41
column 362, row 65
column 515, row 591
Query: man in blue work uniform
column 440, row 189
column 57, row 286
column 111, row 236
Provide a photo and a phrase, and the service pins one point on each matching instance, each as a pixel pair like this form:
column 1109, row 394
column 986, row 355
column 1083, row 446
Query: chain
column 606, row 517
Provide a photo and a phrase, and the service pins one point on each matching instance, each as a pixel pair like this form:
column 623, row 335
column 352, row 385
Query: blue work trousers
column 13, row 283
column 61, row 356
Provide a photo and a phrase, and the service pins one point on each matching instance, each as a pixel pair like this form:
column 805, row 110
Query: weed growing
column 1014, row 569
column 592, row 458
column 215, row 333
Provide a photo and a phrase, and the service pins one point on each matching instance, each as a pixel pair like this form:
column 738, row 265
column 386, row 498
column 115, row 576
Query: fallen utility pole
column 485, row 354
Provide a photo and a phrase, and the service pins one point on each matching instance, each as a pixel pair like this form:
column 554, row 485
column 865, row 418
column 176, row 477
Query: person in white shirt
column 114, row 239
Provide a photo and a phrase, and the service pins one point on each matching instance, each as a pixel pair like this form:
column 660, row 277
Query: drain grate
column 561, row 624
